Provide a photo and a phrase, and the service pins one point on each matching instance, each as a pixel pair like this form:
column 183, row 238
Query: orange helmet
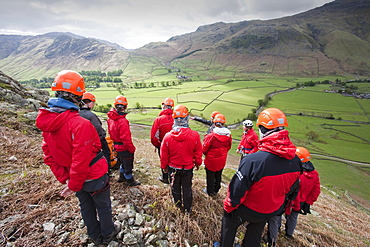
column 168, row 101
column 271, row 118
column 214, row 113
column 69, row 81
column 180, row 111
column 303, row 154
column 120, row 100
column 88, row 96
column 219, row 118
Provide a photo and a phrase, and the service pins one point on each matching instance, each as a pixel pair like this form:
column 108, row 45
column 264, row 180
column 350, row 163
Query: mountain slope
column 44, row 55
column 328, row 40
column 331, row 39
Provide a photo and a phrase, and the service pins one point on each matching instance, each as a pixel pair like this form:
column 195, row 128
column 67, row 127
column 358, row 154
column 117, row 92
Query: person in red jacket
column 72, row 150
column 206, row 121
column 259, row 188
column 249, row 142
column 309, row 191
column 215, row 148
column 120, row 133
column 161, row 125
column 181, row 152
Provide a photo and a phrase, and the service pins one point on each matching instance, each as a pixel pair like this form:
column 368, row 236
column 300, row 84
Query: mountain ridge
column 333, row 39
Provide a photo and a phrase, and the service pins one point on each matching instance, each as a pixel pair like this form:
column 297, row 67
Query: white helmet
column 248, row 123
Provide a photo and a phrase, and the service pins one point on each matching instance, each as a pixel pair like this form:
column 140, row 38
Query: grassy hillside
column 30, row 193
column 326, row 123
column 29, row 189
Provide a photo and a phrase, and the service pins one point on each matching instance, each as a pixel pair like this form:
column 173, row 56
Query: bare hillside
column 30, row 202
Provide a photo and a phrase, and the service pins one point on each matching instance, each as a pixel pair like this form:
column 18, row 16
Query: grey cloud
column 133, row 23
column 283, row 7
column 215, row 8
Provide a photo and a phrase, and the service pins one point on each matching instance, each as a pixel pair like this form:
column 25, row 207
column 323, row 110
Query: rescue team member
column 72, row 150
column 181, row 151
column 215, row 148
column 309, row 191
column 120, row 133
column 86, row 105
column 249, row 141
column 258, row 189
column 161, row 125
column 207, row 122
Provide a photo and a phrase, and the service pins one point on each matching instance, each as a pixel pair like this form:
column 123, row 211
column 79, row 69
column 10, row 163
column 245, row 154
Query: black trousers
column 231, row 222
column 181, row 187
column 164, row 175
column 95, row 202
column 126, row 159
column 213, row 181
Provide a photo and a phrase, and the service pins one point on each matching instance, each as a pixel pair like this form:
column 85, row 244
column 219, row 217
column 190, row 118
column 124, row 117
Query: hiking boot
column 132, row 182
column 288, row 236
column 109, row 238
column 97, row 242
column 163, row 180
column 121, row 178
column 210, row 194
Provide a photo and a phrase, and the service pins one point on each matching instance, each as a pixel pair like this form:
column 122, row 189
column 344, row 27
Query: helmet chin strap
column 263, row 132
column 75, row 99
column 85, row 105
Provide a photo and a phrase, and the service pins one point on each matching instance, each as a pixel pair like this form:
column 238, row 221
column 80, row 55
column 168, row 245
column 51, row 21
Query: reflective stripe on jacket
column 249, row 142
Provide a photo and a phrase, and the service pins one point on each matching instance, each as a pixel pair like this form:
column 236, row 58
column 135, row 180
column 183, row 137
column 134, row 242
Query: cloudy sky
column 134, row 23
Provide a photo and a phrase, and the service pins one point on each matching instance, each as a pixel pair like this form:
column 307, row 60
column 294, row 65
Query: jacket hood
column 166, row 112
column 279, row 144
column 308, row 166
column 180, row 133
column 114, row 115
column 60, row 102
column 222, row 131
column 50, row 121
column 309, row 170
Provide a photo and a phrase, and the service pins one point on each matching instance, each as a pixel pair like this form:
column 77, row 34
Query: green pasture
column 320, row 104
column 236, row 99
column 341, row 176
column 335, row 137
column 347, row 136
column 362, row 87
column 347, row 141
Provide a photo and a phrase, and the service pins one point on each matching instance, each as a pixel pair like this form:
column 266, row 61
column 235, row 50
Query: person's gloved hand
column 305, row 208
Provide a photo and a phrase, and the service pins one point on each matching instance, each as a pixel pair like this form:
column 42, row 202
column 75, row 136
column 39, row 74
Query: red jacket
column 119, row 131
column 309, row 189
column 264, row 178
column 215, row 147
column 70, row 143
column 161, row 126
column 249, row 142
column 181, row 148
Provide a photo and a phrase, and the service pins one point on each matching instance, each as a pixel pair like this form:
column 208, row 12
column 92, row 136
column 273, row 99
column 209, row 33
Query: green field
column 326, row 123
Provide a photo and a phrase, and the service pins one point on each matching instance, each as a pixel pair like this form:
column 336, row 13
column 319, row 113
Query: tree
column 312, row 135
